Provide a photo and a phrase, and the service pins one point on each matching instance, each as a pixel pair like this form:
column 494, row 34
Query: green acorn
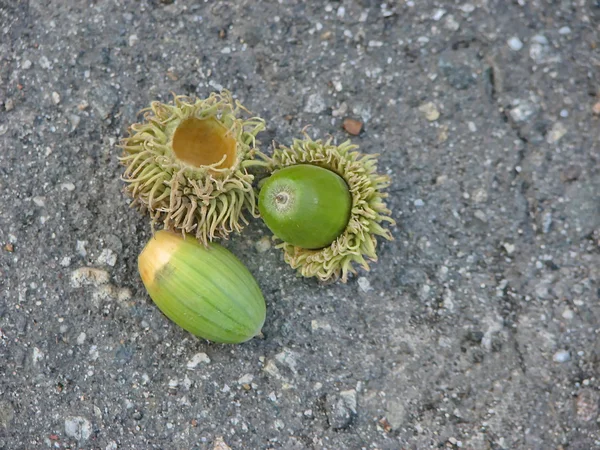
column 205, row 290
column 322, row 240
column 306, row 206
column 187, row 165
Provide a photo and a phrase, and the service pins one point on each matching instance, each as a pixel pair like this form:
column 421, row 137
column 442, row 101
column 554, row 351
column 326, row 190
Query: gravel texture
column 478, row 327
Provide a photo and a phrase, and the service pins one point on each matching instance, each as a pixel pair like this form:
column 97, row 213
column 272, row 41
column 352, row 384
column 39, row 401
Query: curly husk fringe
column 357, row 243
column 206, row 201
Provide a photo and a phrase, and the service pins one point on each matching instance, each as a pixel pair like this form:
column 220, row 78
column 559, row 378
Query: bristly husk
column 357, row 243
column 207, row 201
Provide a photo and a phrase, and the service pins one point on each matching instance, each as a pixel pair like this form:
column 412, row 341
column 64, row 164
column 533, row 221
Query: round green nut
column 205, row 290
column 305, row 205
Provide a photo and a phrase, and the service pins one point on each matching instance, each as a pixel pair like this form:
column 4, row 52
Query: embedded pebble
column 133, row 39
column 220, row 444
column 556, row 133
column 86, row 276
column 197, row 359
column 315, row 104
column 364, row 284
column 78, row 428
column 107, row 258
column 561, row 356
column 81, row 338
column 44, row 62
column 430, row 111
column 246, row 379
column 9, row 105
column 55, row 98
column 263, row 244
column 564, row 30
column 515, row 43
column 68, row 186
column 26, row 64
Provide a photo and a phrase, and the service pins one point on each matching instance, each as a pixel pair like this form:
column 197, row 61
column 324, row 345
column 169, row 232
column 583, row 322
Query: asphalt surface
column 477, row 328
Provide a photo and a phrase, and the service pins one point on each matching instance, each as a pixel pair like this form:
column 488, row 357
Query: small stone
column 288, row 358
column 44, row 62
column 246, row 379
column 546, row 222
column 37, row 355
column 451, row 23
column 430, row 111
column 568, row 314
column 68, row 186
column 586, row 405
column 480, row 215
column 596, row 109
column 9, row 247
column 343, row 109
column 133, row 39
column 78, row 428
column 539, row 49
column 80, row 247
column 364, row 284
column 352, row 126
column 438, row 14
column 197, row 359
column 315, row 104
column 515, row 43
column 81, row 338
column 55, row 98
column 523, row 111
column 341, row 409
column 220, row 444
column 263, row 244
column 556, row 133
column 107, row 258
column 318, row 325
column 39, row 201
column 418, row 203
column 510, row 248
column 86, row 276
column 75, row 120
column 562, row 356
column 9, row 104
column 26, row 64
column 564, row 30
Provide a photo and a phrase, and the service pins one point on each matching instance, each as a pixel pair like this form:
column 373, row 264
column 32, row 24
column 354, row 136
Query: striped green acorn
column 205, row 290
column 305, row 205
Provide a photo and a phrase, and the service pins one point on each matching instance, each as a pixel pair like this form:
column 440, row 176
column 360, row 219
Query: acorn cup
column 187, row 165
column 325, row 203
column 205, row 290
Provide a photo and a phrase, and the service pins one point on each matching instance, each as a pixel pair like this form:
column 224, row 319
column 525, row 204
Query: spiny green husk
column 207, row 201
column 358, row 241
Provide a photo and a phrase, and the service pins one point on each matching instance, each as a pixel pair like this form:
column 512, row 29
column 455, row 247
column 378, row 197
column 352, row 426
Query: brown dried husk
column 207, row 201
column 358, row 241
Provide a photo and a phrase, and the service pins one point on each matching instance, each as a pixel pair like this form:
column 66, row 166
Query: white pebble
column 418, row 202
column 246, row 379
column 26, row 64
column 561, row 356
column 133, row 39
column 68, row 186
column 364, row 284
column 438, row 14
column 197, row 359
column 55, row 98
column 78, row 428
column 515, row 43
column 81, row 338
column 66, row 261
column 107, row 258
column 564, row 30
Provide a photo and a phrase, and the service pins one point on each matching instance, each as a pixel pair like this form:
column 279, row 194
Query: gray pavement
column 478, row 327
